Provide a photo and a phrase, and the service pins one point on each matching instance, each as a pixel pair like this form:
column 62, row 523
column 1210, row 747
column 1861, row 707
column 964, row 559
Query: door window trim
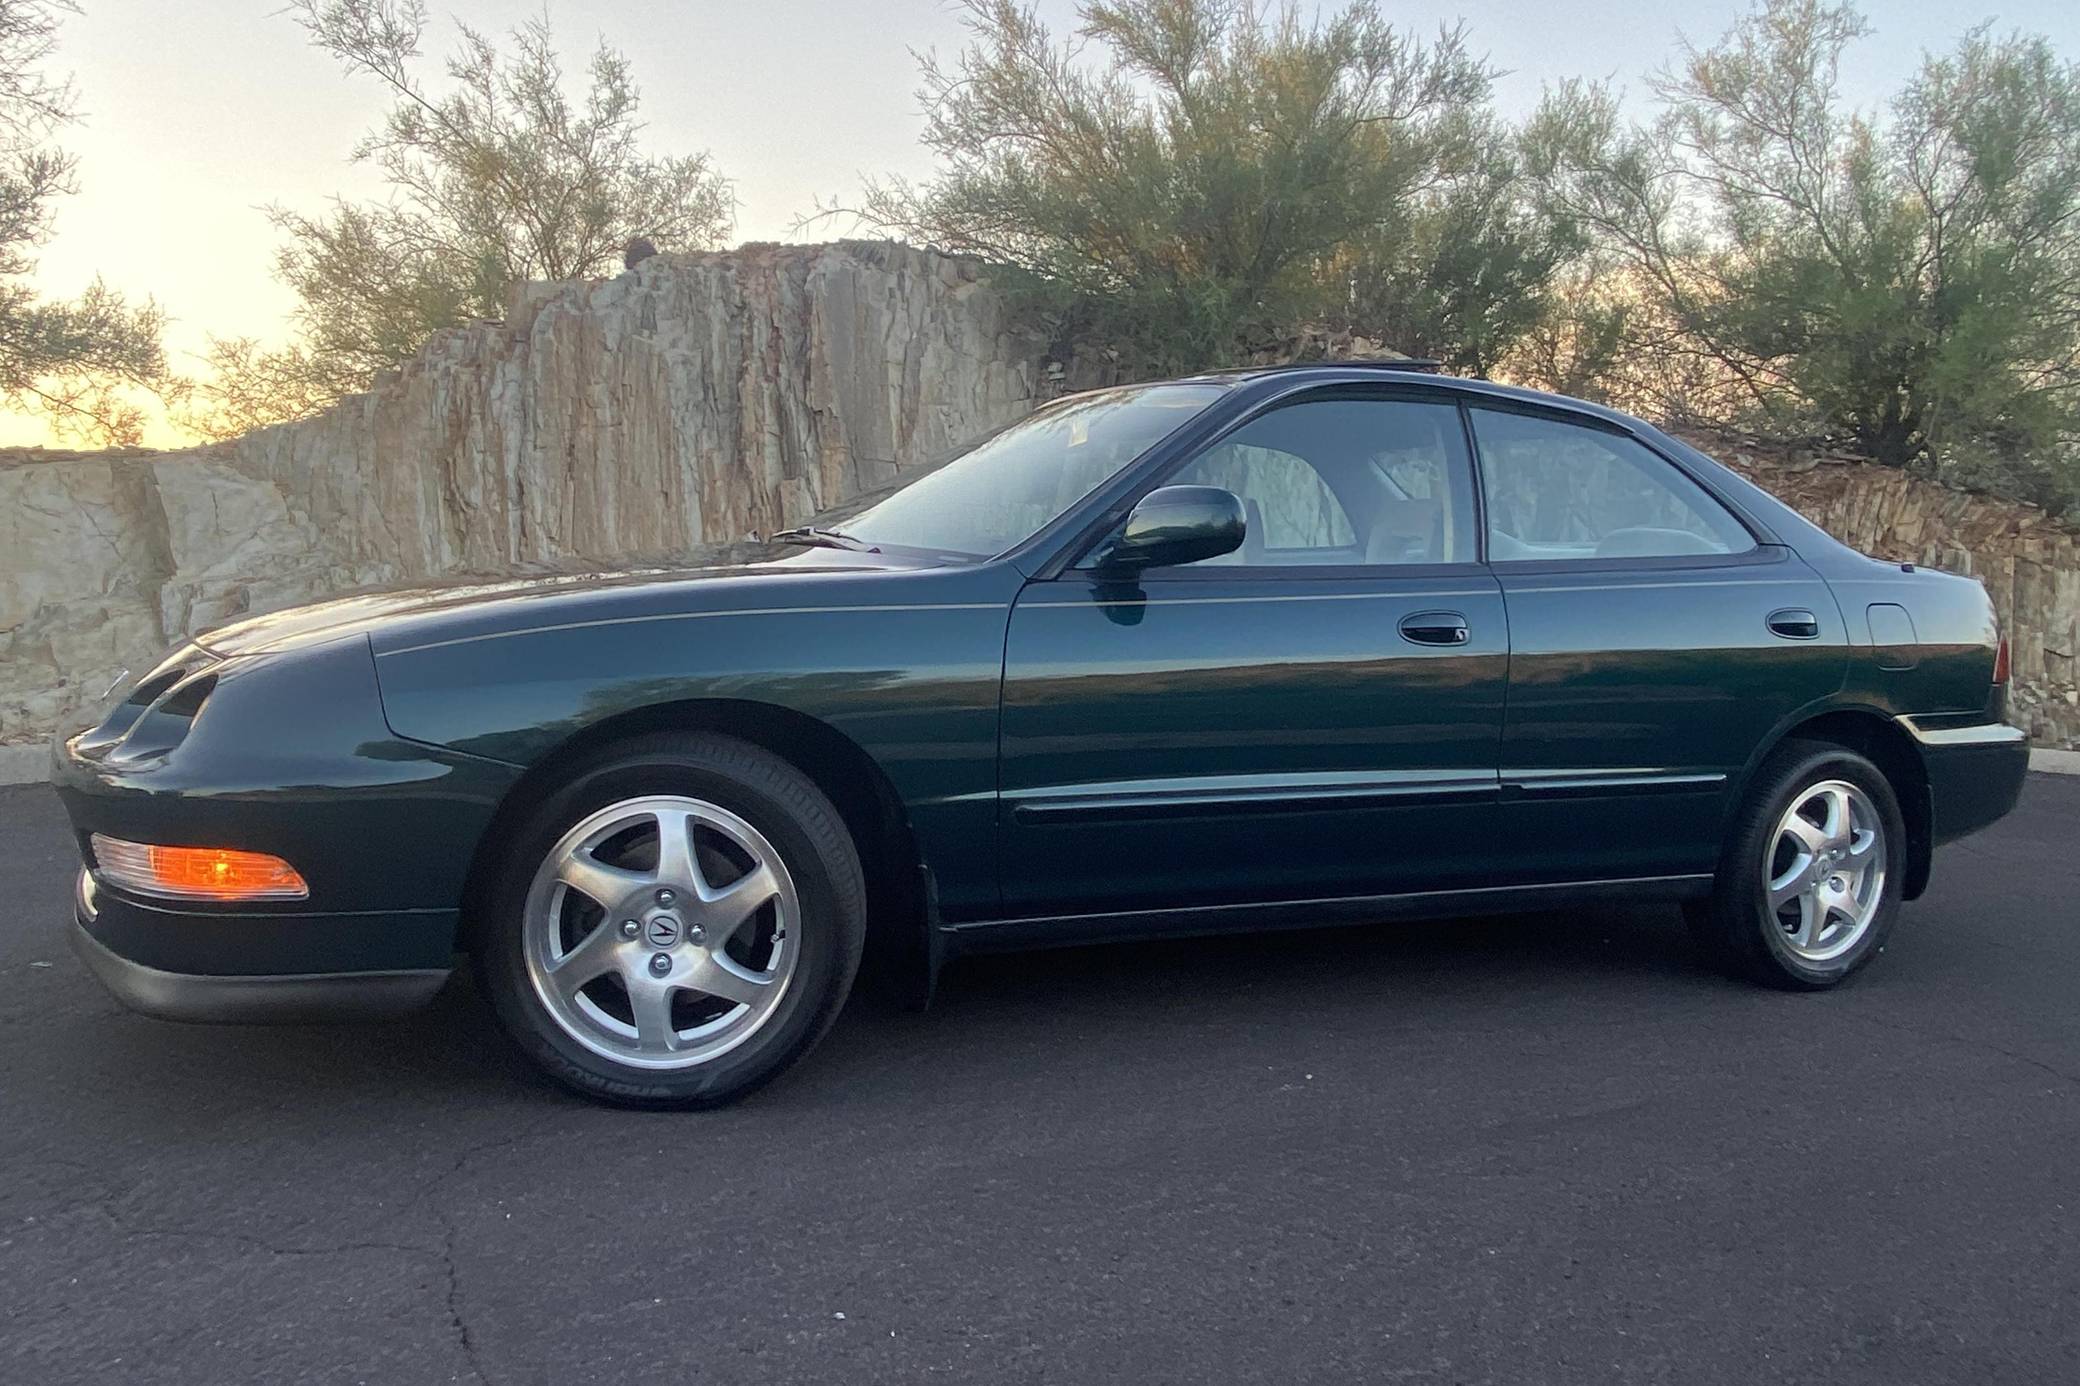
column 1410, row 393
column 1765, row 548
column 1285, row 572
column 1762, row 553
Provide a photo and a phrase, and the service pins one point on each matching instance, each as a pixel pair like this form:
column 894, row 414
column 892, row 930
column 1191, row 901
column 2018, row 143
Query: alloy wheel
column 662, row 932
column 1824, row 870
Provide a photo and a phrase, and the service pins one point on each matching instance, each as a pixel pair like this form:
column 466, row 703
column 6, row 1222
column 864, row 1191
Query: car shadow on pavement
column 1501, row 971
column 1630, row 940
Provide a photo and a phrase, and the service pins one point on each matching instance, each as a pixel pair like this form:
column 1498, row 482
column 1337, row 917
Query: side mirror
column 1178, row 524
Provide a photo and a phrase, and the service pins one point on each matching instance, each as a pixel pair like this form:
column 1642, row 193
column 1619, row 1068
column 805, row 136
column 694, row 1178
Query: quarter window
column 1561, row 491
column 1344, row 482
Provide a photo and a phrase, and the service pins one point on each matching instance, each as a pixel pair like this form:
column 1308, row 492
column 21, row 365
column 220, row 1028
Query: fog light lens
column 196, row 873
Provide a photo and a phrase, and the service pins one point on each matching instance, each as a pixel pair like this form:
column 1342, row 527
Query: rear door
column 1654, row 645
column 1314, row 716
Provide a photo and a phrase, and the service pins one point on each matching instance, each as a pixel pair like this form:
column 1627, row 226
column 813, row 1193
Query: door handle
column 1795, row 624
column 1434, row 628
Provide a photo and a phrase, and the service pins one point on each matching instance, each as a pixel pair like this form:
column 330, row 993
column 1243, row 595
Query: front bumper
column 288, row 755
column 281, row 998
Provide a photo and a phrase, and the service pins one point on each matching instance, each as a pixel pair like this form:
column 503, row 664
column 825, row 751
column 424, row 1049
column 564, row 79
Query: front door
column 1315, row 716
column 1654, row 646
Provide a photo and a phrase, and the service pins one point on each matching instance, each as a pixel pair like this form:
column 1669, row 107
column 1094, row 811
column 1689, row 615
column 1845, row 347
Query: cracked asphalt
column 1538, row 1149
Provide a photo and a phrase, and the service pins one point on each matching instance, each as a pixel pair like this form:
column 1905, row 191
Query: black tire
column 810, row 838
column 1735, row 928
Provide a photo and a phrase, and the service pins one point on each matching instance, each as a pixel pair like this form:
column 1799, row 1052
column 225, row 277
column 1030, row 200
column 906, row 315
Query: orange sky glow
column 198, row 115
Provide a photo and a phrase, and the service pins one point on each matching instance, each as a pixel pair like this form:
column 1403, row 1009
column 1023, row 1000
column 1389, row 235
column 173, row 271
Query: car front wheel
column 676, row 923
column 1809, row 885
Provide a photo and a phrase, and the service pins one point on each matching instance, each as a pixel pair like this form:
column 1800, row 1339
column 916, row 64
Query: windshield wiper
column 821, row 538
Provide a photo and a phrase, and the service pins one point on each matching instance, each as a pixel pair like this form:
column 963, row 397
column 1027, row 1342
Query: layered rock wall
column 695, row 399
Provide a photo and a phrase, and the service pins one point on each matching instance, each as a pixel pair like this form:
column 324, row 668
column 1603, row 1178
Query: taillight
column 2000, row 663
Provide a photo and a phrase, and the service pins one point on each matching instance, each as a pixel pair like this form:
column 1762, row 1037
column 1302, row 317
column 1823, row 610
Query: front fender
column 914, row 684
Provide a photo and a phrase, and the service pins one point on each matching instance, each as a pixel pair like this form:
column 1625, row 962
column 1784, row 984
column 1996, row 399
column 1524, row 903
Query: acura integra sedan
column 1271, row 648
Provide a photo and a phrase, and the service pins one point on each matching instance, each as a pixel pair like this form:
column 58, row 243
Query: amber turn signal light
column 196, row 873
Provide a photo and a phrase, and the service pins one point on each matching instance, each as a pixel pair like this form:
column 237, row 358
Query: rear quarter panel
column 1955, row 636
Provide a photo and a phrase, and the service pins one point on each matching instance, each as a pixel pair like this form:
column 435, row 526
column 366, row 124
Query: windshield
column 1001, row 492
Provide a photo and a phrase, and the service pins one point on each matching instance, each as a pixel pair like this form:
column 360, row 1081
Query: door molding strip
column 1576, row 781
column 1041, row 931
column 1221, row 795
column 1395, row 596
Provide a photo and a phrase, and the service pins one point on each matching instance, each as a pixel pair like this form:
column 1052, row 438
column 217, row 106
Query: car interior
column 1373, row 483
column 1345, row 483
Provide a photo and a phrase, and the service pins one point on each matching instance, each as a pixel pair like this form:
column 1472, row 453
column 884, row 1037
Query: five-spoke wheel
column 1826, row 870
column 1808, row 885
column 658, row 931
column 679, row 918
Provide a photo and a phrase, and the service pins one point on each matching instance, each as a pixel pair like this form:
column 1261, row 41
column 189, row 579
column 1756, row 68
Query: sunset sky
column 198, row 113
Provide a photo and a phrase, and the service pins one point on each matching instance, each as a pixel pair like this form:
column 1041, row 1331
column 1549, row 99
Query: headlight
column 117, row 692
column 150, row 715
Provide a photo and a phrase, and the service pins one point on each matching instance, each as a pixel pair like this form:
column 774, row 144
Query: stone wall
column 695, row 399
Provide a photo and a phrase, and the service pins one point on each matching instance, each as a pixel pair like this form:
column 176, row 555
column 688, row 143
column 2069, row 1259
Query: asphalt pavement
column 1536, row 1149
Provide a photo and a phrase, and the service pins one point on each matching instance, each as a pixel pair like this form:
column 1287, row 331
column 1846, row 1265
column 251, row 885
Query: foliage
column 1221, row 174
column 1910, row 283
column 247, row 386
column 74, row 361
column 1464, row 271
column 500, row 178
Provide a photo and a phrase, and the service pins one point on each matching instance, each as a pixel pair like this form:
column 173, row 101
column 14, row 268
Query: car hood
column 541, row 597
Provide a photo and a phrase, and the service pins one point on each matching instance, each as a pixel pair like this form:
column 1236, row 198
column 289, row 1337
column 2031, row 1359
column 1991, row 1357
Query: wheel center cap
column 661, row 931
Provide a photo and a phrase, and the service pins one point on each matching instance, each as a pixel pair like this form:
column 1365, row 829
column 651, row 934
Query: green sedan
column 1252, row 650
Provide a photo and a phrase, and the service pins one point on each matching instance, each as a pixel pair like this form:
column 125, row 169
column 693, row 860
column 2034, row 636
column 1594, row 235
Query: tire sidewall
column 812, row 844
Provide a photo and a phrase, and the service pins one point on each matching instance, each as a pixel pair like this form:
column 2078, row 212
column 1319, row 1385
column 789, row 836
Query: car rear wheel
column 1809, row 884
column 676, row 923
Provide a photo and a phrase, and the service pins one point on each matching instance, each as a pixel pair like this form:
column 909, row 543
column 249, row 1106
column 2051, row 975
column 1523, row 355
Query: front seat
column 1405, row 531
column 1252, row 531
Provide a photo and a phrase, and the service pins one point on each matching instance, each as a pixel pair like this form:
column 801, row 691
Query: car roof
column 1415, row 371
column 1421, row 365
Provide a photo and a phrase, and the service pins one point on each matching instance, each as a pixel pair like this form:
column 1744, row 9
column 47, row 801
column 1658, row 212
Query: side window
column 1346, row 482
column 1291, row 510
column 1558, row 490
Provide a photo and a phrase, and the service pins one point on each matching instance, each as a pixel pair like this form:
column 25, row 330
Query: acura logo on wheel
column 662, row 931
